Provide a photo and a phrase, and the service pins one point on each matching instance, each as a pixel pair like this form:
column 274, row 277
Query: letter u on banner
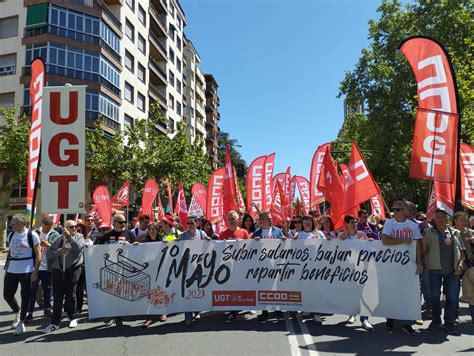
column 434, row 146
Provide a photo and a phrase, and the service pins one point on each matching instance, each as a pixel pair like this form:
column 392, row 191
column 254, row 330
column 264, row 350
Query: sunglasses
column 72, row 227
column 121, row 222
column 297, row 221
column 398, row 209
column 191, row 223
column 90, row 219
column 353, row 222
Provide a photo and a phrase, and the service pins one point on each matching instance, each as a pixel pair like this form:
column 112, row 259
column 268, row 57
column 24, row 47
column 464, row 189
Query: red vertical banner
column 267, row 187
column 466, row 162
column 103, row 204
column 238, row 193
column 149, row 194
column 317, row 196
column 303, row 187
column 277, row 208
column 170, row 197
column 34, row 139
column 200, row 195
column 214, row 211
column 434, row 154
column 229, row 186
column 332, row 185
column 255, row 184
column 160, row 210
column 122, row 197
column 377, row 206
column 183, row 209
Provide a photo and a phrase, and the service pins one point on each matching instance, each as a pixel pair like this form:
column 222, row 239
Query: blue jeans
column 45, row 278
column 425, row 288
column 189, row 315
column 363, row 318
column 451, row 283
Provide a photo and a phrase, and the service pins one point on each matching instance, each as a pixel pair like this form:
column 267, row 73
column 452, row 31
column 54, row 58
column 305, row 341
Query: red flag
column 279, row 177
column 255, row 184
column 292, row 188
column 170, row 197
column 303, row 188
column 467, row 175
column 267, row 188
column 149, row 194
column 444, row 196
column 182, row 208
column 34, row 139
column 238, row 193
column 377, row 206
column 332, row 185
column 436, row 129
column 316, row 196
column 103, row 204
column 359, row 183
column 200, row 195
column 277, row 209
column 229, row 185
column 122, row 197
column 195, row 209
column 54, row 217
column 161, row 211
column 214, row 209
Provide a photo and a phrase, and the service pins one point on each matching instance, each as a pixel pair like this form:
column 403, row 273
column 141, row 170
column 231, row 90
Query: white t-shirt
column 266, row 233
column 19, row 248
column 44, row 261
column 406, row 230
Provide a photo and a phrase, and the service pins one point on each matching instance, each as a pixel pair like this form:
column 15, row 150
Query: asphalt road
column 211, row 336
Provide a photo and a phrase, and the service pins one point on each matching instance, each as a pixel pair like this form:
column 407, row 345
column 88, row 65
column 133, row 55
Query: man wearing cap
column 400, row 230
column 167, row 226
column 444, row 258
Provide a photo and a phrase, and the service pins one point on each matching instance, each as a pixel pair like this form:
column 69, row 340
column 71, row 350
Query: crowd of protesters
column 53, row 256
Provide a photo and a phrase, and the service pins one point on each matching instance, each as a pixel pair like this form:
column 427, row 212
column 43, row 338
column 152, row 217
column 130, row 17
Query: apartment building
column 194, row 94
column 212, row 119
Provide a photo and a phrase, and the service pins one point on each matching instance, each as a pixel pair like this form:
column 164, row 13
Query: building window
column 109, row 72
column 128, row 121
column 172, row 10
column 131, row 4
column 178, row 42
column 171, row 101
column 141, row 44
column 9, row 27
column 129, row 61
column 171, row 77
column 129, row 93
column 130, row 30
column 142, row 15
column 108, row 107
column 141, row 101
column 178, row 64
column 179, row 22
column 141, row 73
column 178, row 107
column 171, row 31
column 8, row 64
column 178, row 86
column 8, row 99
column 171, row 55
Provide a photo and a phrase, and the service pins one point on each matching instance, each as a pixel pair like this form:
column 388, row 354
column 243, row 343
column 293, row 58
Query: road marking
column 308, row 339
column 292, row 339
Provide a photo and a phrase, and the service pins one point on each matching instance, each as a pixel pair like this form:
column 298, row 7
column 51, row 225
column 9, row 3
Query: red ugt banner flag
column 183, row 210
column 103, row 204
column 122, row 197
column 149, row 194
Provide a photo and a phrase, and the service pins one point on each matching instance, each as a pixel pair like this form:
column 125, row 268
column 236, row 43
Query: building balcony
column 110, row 2
column 109, row 14
column 158, row 94
column 72, row 35
column 160, row 6
column 210, row 91
column 158, row 47
column 210, row 106
column 159, row 69
column 209, row 122
column 159, row 19
column 200, row 92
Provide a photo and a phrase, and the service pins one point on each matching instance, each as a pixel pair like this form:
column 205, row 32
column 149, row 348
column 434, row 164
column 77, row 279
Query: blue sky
column 278, row 64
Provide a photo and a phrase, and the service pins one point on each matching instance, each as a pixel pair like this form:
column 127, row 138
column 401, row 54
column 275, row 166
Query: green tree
column 383, row 81
column 13, row 159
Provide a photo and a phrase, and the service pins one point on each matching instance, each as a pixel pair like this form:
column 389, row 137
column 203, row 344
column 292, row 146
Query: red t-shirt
column 228, row 234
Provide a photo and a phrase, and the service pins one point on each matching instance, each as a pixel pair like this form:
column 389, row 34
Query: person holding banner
column 67, row 256
column 207, row 228
column 170, row 233
column 400, row 230
column 444, row 257
column 248, row 223
column 141, row 230
column 23, row 261
column 47, row 236
column 296, row 226
column 352, row 233
column 327, row 227
column 309, row 230
column 363, row 225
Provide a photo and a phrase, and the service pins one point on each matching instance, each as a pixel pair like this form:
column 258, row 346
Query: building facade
column 212, row 119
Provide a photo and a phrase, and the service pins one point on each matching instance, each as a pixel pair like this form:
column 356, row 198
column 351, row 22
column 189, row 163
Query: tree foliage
column 383, row 81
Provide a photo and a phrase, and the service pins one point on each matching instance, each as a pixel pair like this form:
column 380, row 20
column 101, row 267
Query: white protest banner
column 63, row 150
column 341, row 277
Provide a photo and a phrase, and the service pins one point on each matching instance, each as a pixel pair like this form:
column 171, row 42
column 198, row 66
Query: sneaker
column 317, row 319
column 28, row 318
column 48, row 312
column 20, row 328
column 163, row 318
column 49, row 328
column 263, row 317
column 351, row 320
column 367, row 326
column 434, row 326
column 409, row 330
column 73, row 323
column 16, row 320
column 389, row 325
column 450, row 329
column 252, row 312
column 230, row 318
column 108, row 321
column 197, row 316
column 419, row 322
column 118, row 324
